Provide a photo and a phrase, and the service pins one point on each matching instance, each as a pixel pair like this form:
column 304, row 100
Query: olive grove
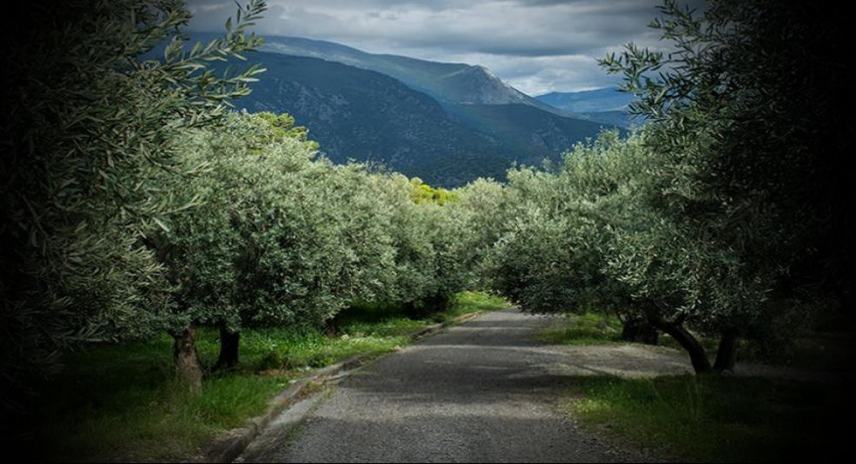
column 137, row 202
column 727, row 214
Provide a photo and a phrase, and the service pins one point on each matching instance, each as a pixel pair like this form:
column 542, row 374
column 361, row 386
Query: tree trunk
column 726, row 355
column 187, row 366
column 638, row 330
column 428, row 306
column 698, row 357
column 230, row 343
column 331, row 327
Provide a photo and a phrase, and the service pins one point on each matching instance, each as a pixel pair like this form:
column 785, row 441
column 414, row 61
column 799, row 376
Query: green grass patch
column 313, row 349
column 584, row 329
column 472, row 302
column 717, row 418
column 120, row 402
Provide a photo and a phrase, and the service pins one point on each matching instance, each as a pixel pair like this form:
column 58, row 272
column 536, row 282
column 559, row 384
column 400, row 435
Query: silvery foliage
column 90, row 125
column 591, row 235
column 280, row 236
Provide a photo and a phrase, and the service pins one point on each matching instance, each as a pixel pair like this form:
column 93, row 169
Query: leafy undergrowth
column 121, row 402
column 719, row 419
column 584, row 329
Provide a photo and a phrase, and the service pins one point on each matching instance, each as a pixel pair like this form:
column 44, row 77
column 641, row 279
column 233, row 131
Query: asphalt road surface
column 483, row 391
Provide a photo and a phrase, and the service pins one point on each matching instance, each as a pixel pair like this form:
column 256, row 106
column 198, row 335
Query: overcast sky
column 537, row 46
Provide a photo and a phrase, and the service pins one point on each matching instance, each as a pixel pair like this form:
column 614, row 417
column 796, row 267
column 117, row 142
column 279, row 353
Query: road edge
column 230, row 445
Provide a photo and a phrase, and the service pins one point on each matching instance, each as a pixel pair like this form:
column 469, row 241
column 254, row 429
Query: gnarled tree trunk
column 331, row 327
column 726, row 355
column 188, row 369
column 698, row 357
column 230, row 343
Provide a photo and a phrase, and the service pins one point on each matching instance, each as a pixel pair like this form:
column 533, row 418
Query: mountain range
column 447, row 123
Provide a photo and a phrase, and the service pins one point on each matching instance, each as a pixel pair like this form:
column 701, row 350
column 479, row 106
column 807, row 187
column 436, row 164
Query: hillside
column 366, row 116
column 363, row 115
column 527, row 131
column 446, row 82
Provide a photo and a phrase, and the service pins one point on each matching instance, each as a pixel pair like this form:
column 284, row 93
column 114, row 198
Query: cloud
column 536, row 45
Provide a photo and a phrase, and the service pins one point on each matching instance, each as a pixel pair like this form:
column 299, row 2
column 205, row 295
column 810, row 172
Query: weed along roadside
column 234, row 442
column 120, row 403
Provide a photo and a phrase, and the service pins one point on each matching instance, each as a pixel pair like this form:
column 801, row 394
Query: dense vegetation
column 136, row 204
column 91, row 126
column 139, row 204
column 726, row 215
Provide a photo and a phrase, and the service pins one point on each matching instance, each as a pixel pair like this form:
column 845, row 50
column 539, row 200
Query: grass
column 712, row 418
column 121, row 402
column 284, row 351
column 471, row 302
column 717, row 419
column 584, row 329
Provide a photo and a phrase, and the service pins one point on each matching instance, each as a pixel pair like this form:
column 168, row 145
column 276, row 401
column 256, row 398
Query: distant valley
column 609, row 105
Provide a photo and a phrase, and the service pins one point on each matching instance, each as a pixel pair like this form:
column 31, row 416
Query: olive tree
column 559, row 225
column 750, row 181
column 90, row 123
column 265, row 241
column 592, row 235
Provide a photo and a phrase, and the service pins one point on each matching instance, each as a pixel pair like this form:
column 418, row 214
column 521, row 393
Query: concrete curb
column 229, row 446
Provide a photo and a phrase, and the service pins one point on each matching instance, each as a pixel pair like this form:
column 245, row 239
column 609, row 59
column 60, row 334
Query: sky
column 537, row 46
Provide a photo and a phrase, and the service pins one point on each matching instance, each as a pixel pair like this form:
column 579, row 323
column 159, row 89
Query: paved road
column 482, row 391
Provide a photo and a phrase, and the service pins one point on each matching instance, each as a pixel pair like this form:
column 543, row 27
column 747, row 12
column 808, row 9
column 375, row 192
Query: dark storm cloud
column 537, row 45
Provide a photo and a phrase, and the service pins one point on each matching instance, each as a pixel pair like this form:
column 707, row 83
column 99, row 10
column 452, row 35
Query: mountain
column 608, row 105
column 446, row 123
column 367, row 116
column 527, row 130
column 453, row 83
